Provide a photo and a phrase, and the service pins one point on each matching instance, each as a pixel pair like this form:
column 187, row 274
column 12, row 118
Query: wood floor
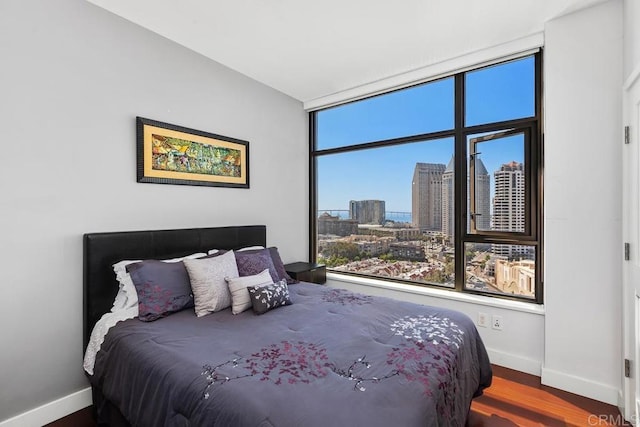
column 518, row 399
column 514, row 399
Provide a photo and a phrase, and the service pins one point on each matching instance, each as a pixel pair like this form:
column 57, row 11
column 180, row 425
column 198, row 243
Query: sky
column 497, row 93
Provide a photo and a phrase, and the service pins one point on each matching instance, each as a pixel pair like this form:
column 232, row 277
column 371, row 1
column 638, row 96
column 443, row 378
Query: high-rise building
column 509, row 206
column 482, row 199
column 426, row 196
column 367, row 211
column 448, row 201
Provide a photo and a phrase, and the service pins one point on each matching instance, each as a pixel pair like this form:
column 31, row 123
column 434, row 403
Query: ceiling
column 311, row 49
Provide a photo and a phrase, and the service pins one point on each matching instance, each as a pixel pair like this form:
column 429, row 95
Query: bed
column 327, row 357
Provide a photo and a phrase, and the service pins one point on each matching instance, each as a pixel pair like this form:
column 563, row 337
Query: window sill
column 525, row 307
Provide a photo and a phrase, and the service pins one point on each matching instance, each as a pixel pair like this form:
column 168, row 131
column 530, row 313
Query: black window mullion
column 460, row 183
column 539, row 164
column 313, row 189
column 386, row 143
column 500, row 126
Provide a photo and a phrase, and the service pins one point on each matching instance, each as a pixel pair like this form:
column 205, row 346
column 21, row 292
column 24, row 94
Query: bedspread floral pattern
column 429, row 328
column 288, row 362
column 425, row 353
column 156, row 302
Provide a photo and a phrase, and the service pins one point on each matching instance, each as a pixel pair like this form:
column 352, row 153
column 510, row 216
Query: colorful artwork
column 170, row 154
column 173, row 154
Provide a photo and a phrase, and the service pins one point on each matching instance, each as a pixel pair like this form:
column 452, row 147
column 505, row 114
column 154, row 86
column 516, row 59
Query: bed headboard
column 102, row 250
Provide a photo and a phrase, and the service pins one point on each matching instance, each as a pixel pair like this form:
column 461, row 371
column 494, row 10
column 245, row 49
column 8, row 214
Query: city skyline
column 395, row 191
column 422, row 250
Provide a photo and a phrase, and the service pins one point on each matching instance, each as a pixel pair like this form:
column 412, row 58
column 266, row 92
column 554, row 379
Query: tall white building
column 509, row 206
column 426, row 196
column 448, row 201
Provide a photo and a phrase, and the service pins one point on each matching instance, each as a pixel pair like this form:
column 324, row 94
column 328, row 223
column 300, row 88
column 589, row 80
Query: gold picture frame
column 171, row 154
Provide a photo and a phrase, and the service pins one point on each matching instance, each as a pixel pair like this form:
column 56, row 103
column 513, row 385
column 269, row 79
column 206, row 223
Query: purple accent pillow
column 253, row 262
column 279, row 265
column 278, row 272
column 163, row 288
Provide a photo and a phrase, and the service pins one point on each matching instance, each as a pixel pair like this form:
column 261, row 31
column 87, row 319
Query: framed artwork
column 170, row 154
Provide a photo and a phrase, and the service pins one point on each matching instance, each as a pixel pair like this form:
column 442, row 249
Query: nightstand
column 307, row 272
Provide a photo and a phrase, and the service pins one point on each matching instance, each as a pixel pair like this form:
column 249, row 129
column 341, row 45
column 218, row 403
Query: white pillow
column 250, row 248
column 240, row 299
column 125, row 285
column 127, row 297
column 207, row 276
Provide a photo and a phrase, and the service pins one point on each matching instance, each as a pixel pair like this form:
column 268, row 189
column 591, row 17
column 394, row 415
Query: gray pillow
column 265, row 298
column 207, row 275
column 240, row 300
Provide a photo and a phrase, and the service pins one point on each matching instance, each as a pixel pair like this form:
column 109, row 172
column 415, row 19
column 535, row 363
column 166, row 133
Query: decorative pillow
column 278, row 273
column 127, row 296
column 253, row 262
column 279, row 265
column 207, row 275
column 265, row 298
column 162, row 288
column 240, row 300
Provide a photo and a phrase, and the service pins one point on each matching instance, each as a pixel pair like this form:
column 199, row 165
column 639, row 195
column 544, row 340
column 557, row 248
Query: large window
column 438, row 184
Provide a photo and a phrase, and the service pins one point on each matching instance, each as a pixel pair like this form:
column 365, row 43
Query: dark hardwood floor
column 514, row 399
column 519, row 399
column 82, row 418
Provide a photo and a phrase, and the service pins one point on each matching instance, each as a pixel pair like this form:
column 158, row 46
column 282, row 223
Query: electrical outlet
column 496, row 322
column 483, row 319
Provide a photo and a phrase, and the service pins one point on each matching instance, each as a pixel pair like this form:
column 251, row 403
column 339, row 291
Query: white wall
column 631, row 36
column 583, row 202
column 73, row 77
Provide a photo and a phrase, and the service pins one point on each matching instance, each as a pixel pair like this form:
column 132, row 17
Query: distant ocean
column 390, row 216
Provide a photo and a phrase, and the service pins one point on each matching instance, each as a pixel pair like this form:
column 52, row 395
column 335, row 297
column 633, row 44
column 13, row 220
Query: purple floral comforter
column 332, row 358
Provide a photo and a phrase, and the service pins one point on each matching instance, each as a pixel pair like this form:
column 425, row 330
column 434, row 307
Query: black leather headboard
column 102, row 250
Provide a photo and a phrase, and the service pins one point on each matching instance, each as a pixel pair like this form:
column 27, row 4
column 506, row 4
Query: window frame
column 529, row 233
column 533, row 165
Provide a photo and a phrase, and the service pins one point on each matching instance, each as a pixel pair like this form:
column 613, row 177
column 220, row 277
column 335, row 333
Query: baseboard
column 581, row 386
column 621, row 407
column 51, row 411
column 512, row 361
